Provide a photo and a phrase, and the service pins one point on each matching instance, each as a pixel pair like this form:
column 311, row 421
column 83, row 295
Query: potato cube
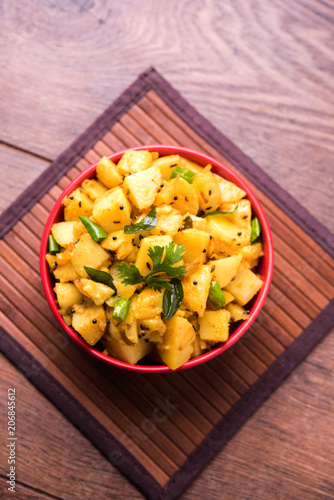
column 199, row 223
column 63, row 233
column 152, row 325
column 87, row 253
column 169, row 222
column 196, row 287
column 142, row 187
column 135, row 161
column 208, row 191
column 199, row 346
column 78, row 203
column 120, row 243
column 112, row 210
column 228, row 233
column 166, row 165
column 124, row 291
column 225, row 269
column 129, row 353
column 214, row 326
column 148, row 304
column 51, row 260
column 65, row 273
column 93, row 188
column 143, row 261
column 107, row 173
column 195, row 243
column 237, row 312
column 177, row 345
column 98, row 292
column 67, row 296
column 91, row 323
column 244, row 286
column 185, row 198
column 230, row 192
column 166, row 193
column 251, row 254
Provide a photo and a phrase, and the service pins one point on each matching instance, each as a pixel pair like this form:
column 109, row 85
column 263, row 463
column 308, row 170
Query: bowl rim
column 267, row 260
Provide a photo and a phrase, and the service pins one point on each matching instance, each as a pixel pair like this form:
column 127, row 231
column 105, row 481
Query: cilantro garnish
column 164, row 259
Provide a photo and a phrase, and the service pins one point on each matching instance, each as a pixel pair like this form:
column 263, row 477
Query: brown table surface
column 263, row 74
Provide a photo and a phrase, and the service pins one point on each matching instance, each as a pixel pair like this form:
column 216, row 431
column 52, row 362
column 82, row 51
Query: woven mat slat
column 201, row 401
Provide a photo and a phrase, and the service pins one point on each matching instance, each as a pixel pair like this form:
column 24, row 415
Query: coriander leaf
column 172, row 298
column 129, row 274
column 158, row 282
column 148, row 222
column 220, row 212
column 173, row 255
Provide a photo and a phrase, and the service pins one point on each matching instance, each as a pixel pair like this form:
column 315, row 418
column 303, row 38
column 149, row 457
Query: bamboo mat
column 161, row 430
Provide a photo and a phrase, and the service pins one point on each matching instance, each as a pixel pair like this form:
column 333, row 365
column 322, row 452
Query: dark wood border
column 270, row 380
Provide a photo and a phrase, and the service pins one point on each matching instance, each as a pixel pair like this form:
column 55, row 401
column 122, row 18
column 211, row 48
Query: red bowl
column 265, row 267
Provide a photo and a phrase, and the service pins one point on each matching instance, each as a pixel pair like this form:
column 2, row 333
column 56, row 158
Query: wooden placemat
column 161, row 430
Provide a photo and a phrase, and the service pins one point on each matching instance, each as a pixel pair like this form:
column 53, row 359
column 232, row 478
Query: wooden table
column 263, row 73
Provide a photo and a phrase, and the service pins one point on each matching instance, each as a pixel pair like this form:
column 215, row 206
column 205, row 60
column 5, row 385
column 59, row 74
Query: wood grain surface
column 262, row 72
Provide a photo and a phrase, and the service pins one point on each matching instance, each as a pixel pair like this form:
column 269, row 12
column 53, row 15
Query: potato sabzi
column 155, row 257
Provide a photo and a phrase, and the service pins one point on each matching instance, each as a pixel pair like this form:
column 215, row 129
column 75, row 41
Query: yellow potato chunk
column 67, row 296
column 135, row 161
column 78, row 203
column 107, row 173
column 199, row 346
column 169, row 222
column 244, row 286
column 195, row 243
column 237, row 312
column 214, row 326
column 124, row 291
column 120, row 243
column 143, row 261
column 166, row 165
column 199, row 223
column 63, row 233
column 90, row 322
column 225, row 269
column 228, row 297
column 112, row 210
column 51, row 260
column 196, row 287
column 142, row 187
column 166, row 193
column 152, row 325
column 251, row 254
column 230, row 192
column 190, row 165
column 65, row 273
column 98, row 292
column 148, row 304
column 93, row 188
column 177, row 345
column 129, row 353
column 228, row 233
column 185, row 198
column 208, row 191
column 87, row 253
